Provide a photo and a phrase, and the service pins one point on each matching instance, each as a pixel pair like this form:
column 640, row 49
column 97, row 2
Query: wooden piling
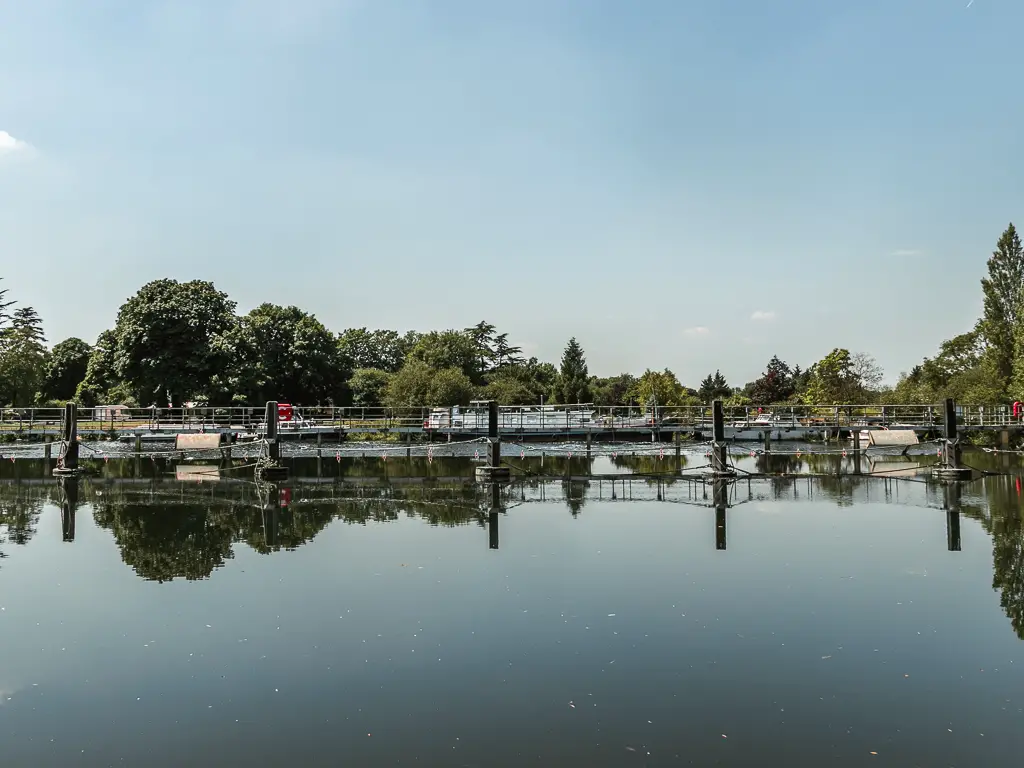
column 274, row 448
column 949, row 467
column 719, row 449
column 493, row 471
column 68, row 460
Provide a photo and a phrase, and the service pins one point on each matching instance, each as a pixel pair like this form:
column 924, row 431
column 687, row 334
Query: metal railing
column 513, row 419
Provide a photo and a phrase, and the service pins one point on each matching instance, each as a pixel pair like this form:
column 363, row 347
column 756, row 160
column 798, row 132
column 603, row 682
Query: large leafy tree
column 840, row 377
column 524, row 383
column 1002, row 290
column 279, row 353
column 505, row 353
column 23, row 358
column 658, row 388
column 164, row 339
column 775, row 385
column 573, row 378
column 614, row 390
column 381, row 349
column 66, row 369
column 419, row 384
column 448, row 349
column 369, row 386
column 100, row 376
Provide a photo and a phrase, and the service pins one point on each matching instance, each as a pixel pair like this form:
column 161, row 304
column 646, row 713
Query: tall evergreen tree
column 1003, row 290
column 23, row 357
column 5, row 316
column 482, row 335
column 714, row 387
column 574, row 379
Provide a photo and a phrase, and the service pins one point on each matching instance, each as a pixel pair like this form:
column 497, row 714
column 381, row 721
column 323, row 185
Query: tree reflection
column 1003, row 522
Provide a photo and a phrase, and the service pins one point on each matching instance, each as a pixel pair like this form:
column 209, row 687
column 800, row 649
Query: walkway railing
column 511, row 418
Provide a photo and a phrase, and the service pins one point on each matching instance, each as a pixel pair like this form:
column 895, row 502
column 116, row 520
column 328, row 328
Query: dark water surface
column 362, row 616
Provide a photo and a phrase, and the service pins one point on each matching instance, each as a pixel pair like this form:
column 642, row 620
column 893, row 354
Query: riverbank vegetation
column 175, row 343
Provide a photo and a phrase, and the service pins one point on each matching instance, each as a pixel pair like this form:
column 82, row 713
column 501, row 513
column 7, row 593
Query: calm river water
column 373, row 612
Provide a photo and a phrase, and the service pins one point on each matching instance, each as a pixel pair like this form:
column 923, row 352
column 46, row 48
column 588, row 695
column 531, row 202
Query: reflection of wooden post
column 721, row 494
column 952, row 493
column 492, row 519
column 270, row 514
column 68, row 506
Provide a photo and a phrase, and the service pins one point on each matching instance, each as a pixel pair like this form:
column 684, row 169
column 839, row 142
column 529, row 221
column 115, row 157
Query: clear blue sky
column 695, row 185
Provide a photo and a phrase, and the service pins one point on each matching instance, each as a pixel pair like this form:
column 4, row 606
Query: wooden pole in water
column 71, row 436
column 719, row 451
column 273, row 447
column 494, row 443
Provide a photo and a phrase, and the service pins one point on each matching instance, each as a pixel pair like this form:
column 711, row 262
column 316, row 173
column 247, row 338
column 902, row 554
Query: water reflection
column 183, row 521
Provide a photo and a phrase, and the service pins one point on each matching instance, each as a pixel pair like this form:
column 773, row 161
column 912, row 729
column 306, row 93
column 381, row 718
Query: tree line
column 183, row 342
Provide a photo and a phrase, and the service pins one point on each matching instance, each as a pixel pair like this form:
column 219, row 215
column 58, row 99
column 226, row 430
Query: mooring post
column 721, row 494
column 68, row 459
column 47, row 449
column 273, row 448
column 719, row 450
column 949, row 466
column 952, row 493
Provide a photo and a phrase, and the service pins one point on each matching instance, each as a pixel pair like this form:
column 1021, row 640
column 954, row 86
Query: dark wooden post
column 273, row 447
column 492, row 433
column 68, row 461
column 719, row 450
column 949, row 466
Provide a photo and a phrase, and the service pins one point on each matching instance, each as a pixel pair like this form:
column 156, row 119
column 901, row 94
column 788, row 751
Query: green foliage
column 775, row 384
column 573, row 379
column 505, row 353
column 448, row 349
column 419, row 384
column 658, row 388
column 100, row 375
column 165, row 339
column 1002, row 291
column 65, row 369
column 616, row 390
column 381, row 349
column 840, row 377
column 279, row 353
column 713, row 387
column 522, row 383
column 369, row 386
column 23, row 358
column 482, row 337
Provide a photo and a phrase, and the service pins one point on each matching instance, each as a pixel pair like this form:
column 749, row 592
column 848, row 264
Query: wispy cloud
column 10, row 144
column 697, row 330
column 905, row 252
column 763, row 315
